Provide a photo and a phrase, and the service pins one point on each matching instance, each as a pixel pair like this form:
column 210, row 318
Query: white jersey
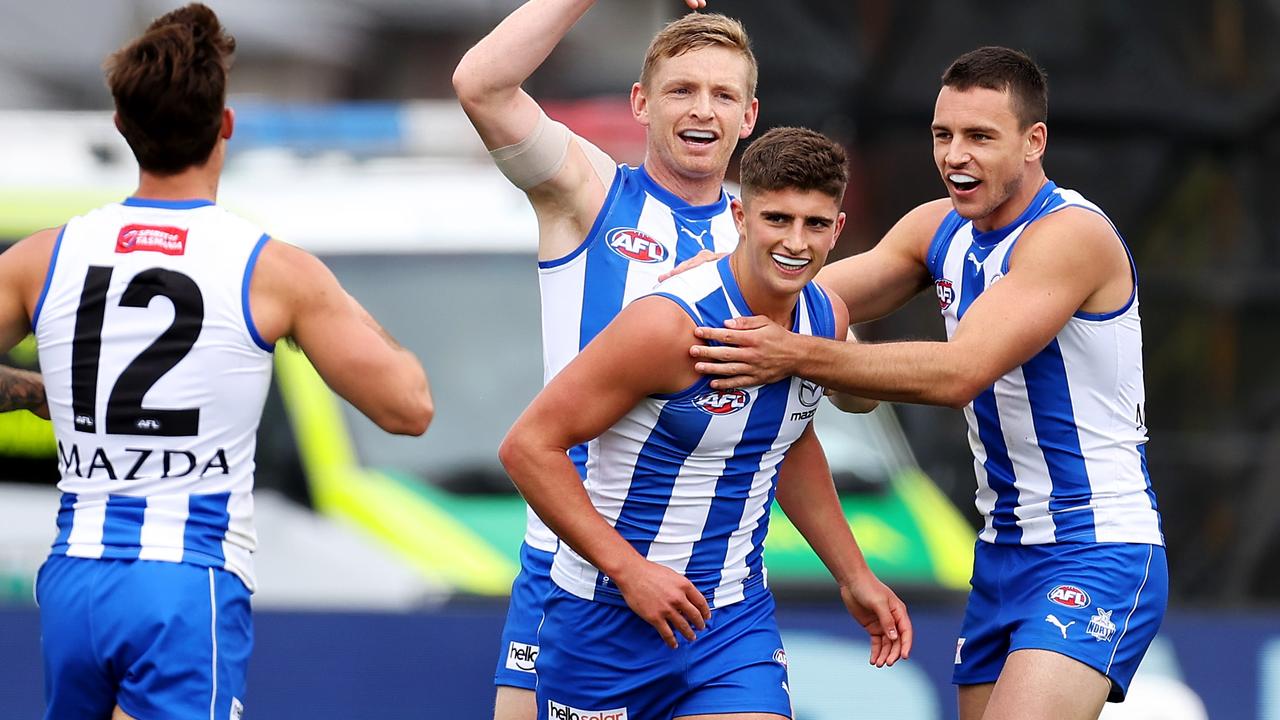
column 156, row 378
column 642, row 231
column 1059, row 443
column 689, row 478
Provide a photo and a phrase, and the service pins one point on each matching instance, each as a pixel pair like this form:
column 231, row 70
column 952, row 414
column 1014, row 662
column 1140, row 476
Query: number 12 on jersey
column 125, row 414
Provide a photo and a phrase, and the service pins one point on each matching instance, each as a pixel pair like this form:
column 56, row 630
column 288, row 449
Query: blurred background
column 384, row 562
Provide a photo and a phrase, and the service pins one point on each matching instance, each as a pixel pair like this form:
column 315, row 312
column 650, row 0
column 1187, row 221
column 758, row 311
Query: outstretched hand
column 752, row 351
column 883, row 616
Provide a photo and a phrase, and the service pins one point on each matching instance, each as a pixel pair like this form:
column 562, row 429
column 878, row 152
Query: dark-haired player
column 665, row 540
column 155, row 319
column 1044, row 354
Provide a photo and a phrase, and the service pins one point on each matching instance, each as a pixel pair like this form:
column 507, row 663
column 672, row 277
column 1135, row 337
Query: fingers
column 904, row 628
column 718, row 353
column 696, row 4
column 664, row 630
column 720, row 335
column 700, row 604
column 703, row 256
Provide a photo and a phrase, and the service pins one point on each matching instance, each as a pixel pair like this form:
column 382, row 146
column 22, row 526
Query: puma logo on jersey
column 977, row 264
column 689, row 232
column 635, row 245
column 152, row 238
column 1054, row 619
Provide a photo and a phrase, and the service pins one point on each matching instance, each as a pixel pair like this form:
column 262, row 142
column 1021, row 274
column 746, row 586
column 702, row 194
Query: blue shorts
column 1098, row 603
column 159, row 639
column 519, row 647
column 600, row 661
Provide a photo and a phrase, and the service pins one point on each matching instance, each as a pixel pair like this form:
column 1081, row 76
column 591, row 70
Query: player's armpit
column 292, row 294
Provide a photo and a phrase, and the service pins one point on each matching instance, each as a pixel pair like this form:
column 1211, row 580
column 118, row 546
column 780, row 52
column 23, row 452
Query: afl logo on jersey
column 152, row 238
column 946, row 293
column 722, row 402
column 635, row 245
column 1070, row 596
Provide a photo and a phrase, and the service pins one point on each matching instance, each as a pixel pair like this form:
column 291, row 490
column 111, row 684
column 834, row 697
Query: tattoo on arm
column 20, row 389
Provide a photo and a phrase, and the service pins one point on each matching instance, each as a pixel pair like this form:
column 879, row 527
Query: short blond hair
column 695, row 31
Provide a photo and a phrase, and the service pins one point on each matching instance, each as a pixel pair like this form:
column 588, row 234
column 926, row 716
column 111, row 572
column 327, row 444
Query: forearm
column 808, row 497
column 20, row 389
column 500, row 63
column 550, row 484
column 931, row 373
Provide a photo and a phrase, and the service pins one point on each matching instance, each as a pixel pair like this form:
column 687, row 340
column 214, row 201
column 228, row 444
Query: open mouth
column 698, row 137
column 790, row 264
column 962, row 182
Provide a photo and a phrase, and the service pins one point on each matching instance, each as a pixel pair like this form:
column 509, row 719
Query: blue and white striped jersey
column 688, row 479
column 156, row 378
column 642, row 231
column 1059, row 444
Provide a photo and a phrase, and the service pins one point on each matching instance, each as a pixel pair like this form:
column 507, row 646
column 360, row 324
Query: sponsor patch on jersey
column 722, row 402
column 810, row 393
column 522, row 657
column 152, row 238
column 1070, row 596
column 780, row 657
column 946, row 293
column 635, row 245
column 556, row 711
column 1101, row 627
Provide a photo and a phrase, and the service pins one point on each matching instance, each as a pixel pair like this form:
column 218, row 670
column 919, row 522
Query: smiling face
column 785, row 238
column 695, row 106
column 988, row 161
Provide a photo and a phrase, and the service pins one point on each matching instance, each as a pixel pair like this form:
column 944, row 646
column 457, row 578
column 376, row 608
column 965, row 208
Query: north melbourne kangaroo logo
column 1054, row 619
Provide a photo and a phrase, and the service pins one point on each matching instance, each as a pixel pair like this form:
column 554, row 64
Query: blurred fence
column 337, row 666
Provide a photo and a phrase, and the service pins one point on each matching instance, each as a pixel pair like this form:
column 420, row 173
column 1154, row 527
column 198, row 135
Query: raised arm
column 293, row 295
column 808, row 497
column 592, row 393
column 565, row 177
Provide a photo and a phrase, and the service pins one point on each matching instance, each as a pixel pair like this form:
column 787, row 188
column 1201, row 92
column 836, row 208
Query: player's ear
column 739, row 215
column 639, row 104
column 749, row 119
column 835, row 230
column 228, row 123
column 1037, row 139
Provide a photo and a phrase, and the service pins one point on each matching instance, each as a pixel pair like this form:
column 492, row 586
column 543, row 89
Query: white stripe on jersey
column 164, row 529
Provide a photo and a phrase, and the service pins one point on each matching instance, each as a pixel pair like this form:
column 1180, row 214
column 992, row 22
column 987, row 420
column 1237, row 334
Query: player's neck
column 1017, row 203
column 198, row 182
column 695, row 191
column 762, row 301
